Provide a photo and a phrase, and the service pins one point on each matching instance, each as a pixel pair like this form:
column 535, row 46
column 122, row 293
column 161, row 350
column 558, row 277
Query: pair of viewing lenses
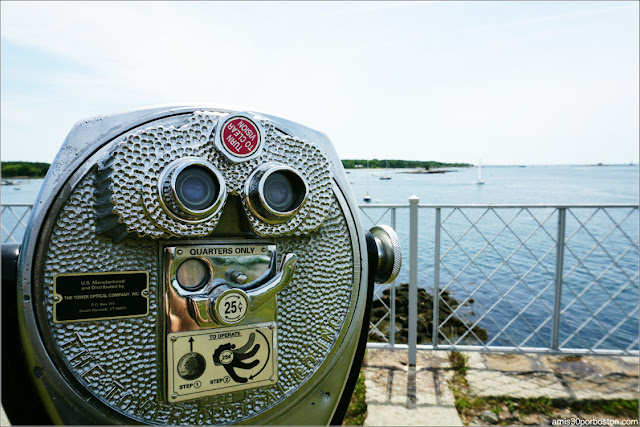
column 194, row 190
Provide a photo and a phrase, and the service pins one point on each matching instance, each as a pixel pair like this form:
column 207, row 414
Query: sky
column 499, row 82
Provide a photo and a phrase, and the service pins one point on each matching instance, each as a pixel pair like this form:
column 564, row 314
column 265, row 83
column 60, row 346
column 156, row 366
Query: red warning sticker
column 240, row 137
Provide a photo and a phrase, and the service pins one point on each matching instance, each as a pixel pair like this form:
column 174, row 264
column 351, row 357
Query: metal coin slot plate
column 81, row 297
column 222, row 360
column 235, row 265
column 250, row 260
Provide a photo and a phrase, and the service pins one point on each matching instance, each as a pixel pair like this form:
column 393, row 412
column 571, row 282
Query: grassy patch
column 506, row 408
column 357, row 410
column 458, row 384
column 618, row 407
column 539, row 405
column 512, row 411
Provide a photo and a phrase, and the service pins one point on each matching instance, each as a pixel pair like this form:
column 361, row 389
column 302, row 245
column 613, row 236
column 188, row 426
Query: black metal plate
column 97, row 296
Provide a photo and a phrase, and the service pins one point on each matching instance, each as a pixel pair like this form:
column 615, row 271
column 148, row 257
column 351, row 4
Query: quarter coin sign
column 232, row 306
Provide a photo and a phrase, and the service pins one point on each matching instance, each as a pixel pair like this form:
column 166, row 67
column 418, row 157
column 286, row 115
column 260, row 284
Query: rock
column 456, row 326
column 504, row 409
column 530, row 420
column 489, row 417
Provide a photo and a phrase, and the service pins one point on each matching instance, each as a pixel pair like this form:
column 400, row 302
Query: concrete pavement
column 400, row 395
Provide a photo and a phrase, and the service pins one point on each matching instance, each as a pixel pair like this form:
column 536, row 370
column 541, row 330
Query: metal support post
column 413, row 278
column 392, row 294
column 436, row 284
column 557, row 300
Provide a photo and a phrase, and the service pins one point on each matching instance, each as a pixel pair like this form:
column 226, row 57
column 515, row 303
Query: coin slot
column 193, row 274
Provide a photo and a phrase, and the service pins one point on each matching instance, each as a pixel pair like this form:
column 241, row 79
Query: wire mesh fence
column 14, row 222
column 515, row 278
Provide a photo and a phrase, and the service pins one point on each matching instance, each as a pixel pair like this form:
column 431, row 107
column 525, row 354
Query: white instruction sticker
column 209, row 362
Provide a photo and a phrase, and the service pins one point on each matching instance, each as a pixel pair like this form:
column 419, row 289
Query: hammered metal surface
column 136, row 164
column 132, row 172
column 124, row 345
column 311, row 315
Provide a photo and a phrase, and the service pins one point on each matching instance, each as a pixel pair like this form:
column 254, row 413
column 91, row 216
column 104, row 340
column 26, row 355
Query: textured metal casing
column 68, row 380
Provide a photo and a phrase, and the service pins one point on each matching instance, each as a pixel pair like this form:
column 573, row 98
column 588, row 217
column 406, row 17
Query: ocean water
column 502, row 262
column 503, row 185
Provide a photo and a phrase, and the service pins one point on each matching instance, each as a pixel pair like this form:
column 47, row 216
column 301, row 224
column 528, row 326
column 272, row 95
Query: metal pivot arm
column 207, row 307
column 257, row 297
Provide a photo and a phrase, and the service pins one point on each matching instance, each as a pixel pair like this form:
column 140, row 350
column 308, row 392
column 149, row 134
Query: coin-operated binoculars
column 192, row 265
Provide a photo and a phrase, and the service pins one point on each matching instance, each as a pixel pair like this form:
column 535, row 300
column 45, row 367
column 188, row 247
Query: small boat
column 480, row 181
column 367, row 197
column 386, row 176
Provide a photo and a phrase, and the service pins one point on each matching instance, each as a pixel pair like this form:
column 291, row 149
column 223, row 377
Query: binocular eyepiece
column 275, row 192
column 192, row 266
column 191, row 190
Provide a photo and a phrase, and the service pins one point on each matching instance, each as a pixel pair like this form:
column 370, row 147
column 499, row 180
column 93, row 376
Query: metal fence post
column 413, row 278
column 392, row 294
column 436, row 283
column 557, row 299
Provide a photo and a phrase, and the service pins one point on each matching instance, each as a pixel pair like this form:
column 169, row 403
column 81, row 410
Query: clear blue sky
column 502, row 82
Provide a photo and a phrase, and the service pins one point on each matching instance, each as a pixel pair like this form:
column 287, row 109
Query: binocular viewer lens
column 192, row 190
column 197, row 188
column 275, row 192
column 284, row 191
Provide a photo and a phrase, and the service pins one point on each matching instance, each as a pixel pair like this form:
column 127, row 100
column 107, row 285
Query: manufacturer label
column 209, row 362
column 240, row 136
column 96, row 296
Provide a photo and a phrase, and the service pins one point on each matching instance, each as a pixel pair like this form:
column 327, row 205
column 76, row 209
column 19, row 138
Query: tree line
column 401, row 164
column 26, row 169
column 38, row 170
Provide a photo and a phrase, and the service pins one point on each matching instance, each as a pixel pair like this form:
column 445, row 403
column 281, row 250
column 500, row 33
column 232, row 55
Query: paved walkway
column 399, row 395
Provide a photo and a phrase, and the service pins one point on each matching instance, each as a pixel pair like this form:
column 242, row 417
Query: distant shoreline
column 23, row 170
column 11, row 178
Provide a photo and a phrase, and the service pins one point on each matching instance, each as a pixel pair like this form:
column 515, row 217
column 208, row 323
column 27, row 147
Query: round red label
column 240, row 137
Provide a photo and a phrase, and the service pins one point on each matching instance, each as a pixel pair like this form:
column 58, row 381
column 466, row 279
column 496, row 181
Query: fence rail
column 511, row 278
